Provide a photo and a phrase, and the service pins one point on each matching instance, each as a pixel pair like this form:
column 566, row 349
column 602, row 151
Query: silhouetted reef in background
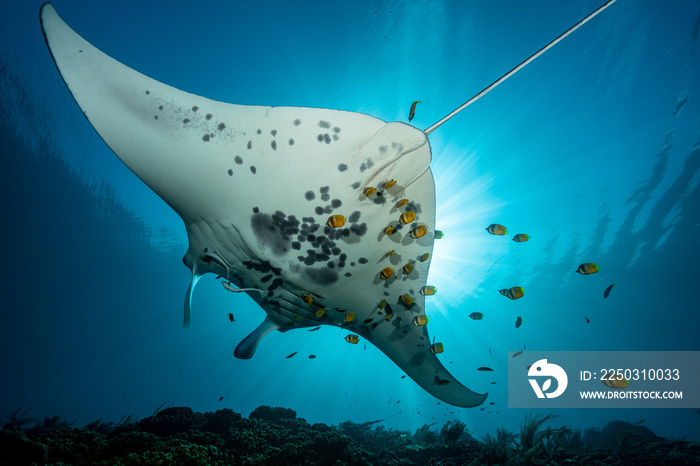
column 275, row 436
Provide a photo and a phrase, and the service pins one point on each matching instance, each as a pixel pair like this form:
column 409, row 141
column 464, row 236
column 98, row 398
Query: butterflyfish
column 312, row 356
column 515, row 292
column 336, row 221
column 437, row 348
column 349, row 317
column 406, row 300
column 428, row 290
column 419, row 232
column 497, row 229
column 351, row 338
column 368, row 191
column 484, row 369
column 407, row 217
column 401, row 203
column 607, row 291
column 389, row 184
column 587, row 268
column 230, row 317
column 320, row 313
column 386, row 273
column 291, row 355
column 390, row 253
column 408, row 268
column 476, row 315
column 518, row 322
column 306, row 297
column 517, row 353
column 412, row 112
column 368, row 320
column 521, row 238
column 314, row 329
column 390, row 230
column 438, row 234
column 420, row 320
column 424, row 257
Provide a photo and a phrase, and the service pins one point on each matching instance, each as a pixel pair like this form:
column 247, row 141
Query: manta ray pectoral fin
column 246, row 348
column 409, row 347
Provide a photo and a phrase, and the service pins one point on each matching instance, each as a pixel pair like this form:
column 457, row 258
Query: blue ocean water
column 593, row 150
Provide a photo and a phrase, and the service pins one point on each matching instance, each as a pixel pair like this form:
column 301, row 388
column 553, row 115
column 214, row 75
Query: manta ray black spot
column 147, row 92
column 230, row 172
column 195, row 108
column 335, row 203
column 256, row 210
column 250, row 144
column 324, row 124
column 362, row 260
column 380, row 200
column 359, row 230
column 268, row 232
column 325, row 197
column 322, row 277
column 412, row 206
column 160, row 108
column 238, row 160
column 155, row 117
column 363, row 167
column 273, row 132
column 319, row 138
column 342, row 167
column 266, row 278
column 354, row 217
column 252, row 169
column 327, row 138
column 259, row 131
column 348, row 274
column 291, row 142
column 205, row 138
column 221, row 126
column 310, row 195
column 355, row 185
column 319, row 210
column 276, row 283
column 335, row 137
column 297, row 122
column 208, row 116
column 336, row 129
column 296, row 245
column 186, row 120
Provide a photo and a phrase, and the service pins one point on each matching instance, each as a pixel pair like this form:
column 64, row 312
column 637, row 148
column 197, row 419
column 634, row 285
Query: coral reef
column 276, row 436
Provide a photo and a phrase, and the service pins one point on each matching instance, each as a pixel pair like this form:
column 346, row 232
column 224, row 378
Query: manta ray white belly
column 274, row 199
column 321, row 216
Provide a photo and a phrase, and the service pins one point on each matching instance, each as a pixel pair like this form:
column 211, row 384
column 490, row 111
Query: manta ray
column 321, row 216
